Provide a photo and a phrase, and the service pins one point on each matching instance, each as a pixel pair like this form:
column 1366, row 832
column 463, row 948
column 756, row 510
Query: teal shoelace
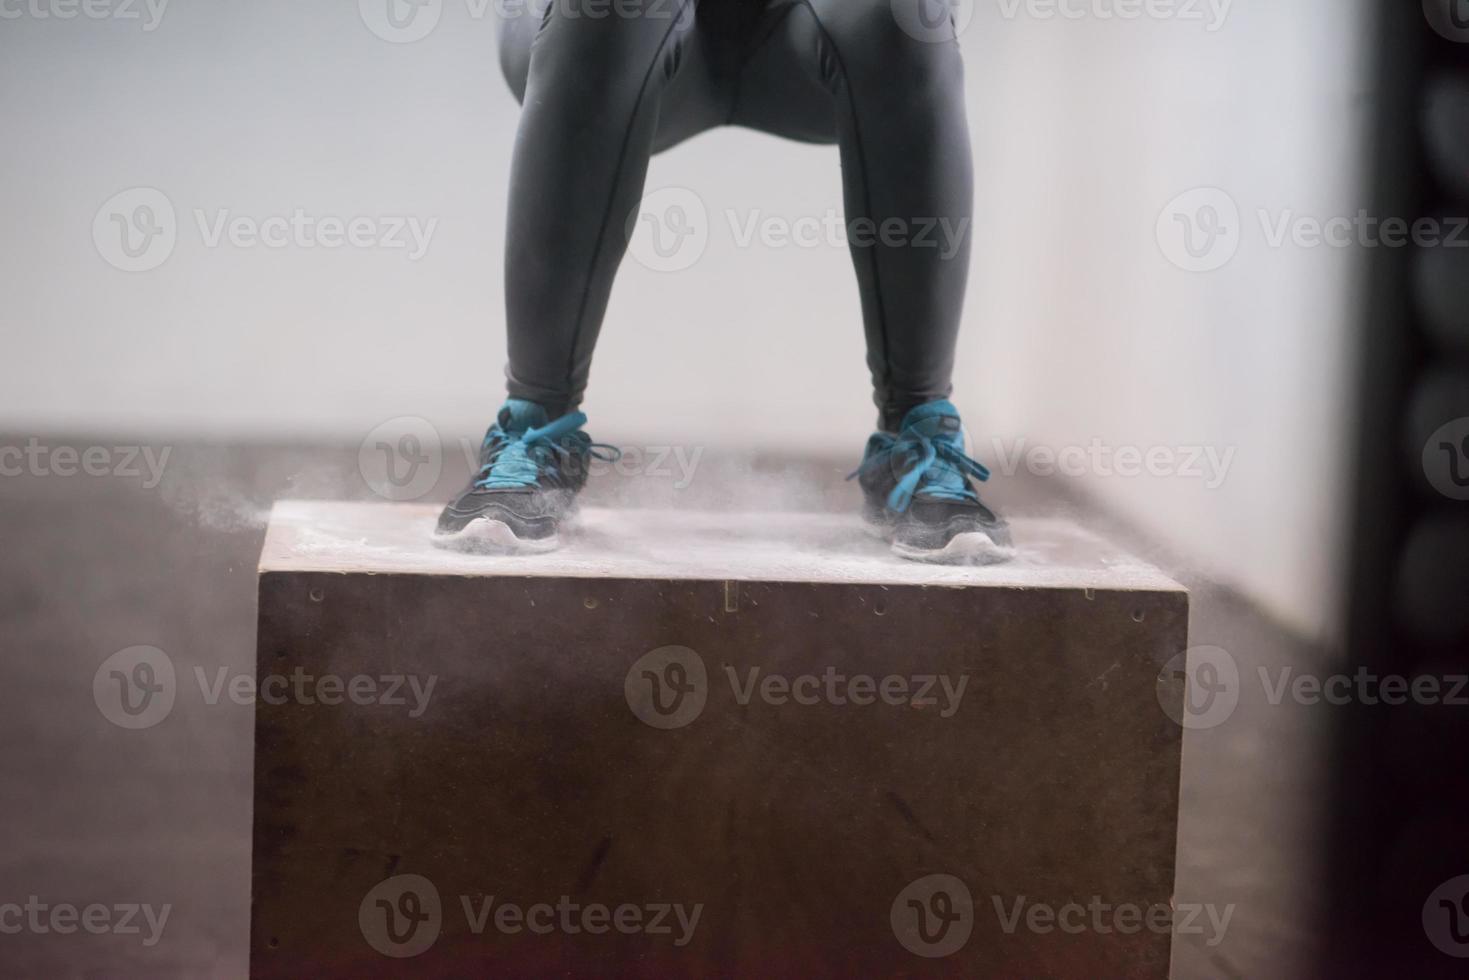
column 938, row 468
column 515, row 461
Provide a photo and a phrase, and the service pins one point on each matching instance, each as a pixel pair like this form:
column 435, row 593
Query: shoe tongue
column 937, row 420
column 518, row 415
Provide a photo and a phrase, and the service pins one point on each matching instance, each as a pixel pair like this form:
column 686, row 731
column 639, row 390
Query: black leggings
column 607, row 83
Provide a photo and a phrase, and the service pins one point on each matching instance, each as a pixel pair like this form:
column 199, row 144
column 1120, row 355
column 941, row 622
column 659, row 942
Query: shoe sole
column 487, row 536
column 969, row 548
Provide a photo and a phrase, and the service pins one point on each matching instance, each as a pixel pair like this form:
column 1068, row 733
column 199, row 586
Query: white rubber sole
column 970, row 548
column 486, row 536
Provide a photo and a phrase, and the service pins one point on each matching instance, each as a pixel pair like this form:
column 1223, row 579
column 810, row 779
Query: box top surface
column 385, row 538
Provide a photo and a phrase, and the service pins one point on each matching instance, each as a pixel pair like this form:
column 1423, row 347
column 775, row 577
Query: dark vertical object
column 1400, row 837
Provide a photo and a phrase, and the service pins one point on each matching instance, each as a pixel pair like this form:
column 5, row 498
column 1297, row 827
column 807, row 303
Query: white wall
column 1078, row 326
column 1085, row 330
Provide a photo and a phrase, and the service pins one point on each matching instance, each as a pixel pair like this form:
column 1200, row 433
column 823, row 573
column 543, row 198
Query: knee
column 908, row 43
column 930, row 22
column 519, row 23
column 604, row 48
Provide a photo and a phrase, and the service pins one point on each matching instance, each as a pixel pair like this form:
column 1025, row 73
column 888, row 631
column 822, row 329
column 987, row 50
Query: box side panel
column 823, row 748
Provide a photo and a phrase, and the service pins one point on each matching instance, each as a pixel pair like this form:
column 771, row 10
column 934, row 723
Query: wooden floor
column 93, row 813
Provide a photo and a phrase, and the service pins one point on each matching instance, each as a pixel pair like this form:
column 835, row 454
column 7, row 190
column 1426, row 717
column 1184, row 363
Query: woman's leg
column 895, row 104
column 887, row 84
column 594, row 78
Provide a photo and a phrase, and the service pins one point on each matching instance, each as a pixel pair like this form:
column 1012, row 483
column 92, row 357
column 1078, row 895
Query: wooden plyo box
column 695, row 744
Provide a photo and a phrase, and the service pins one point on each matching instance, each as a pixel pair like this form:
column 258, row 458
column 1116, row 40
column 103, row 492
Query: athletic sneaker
column 917, row 493
column 529, row 474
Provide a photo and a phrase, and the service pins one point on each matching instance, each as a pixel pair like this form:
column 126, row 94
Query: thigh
column 784, row 86
column 811, row 53
column 518, row 26
column 687, row 86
